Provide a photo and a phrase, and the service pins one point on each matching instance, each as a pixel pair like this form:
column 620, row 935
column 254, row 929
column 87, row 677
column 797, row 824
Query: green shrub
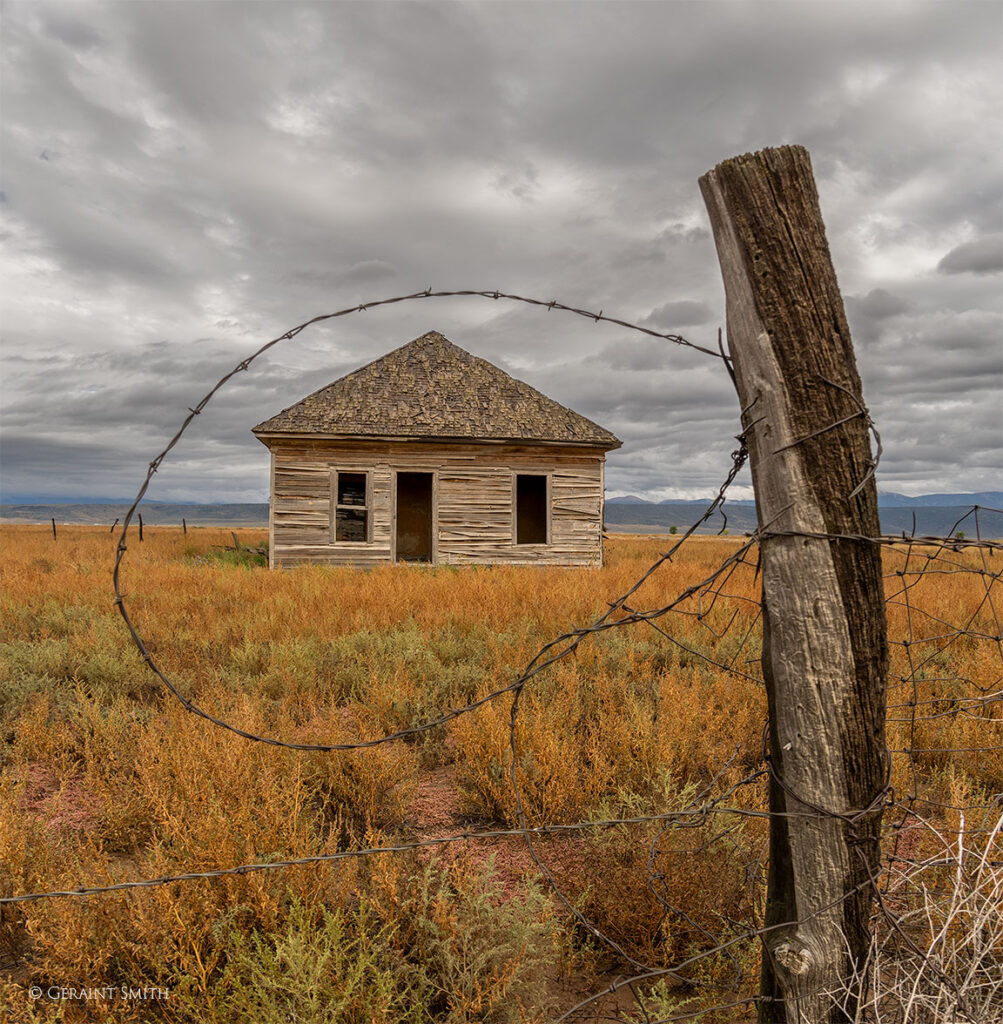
column 419, row 945
column 242, row 558
column 323, row 968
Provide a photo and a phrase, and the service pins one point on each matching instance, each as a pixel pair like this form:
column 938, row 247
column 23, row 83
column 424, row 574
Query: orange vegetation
column 105, row 777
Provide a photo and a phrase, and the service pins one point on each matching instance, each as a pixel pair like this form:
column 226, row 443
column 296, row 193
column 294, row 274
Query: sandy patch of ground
column 59, row 803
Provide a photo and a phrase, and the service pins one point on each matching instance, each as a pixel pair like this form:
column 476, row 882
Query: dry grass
column 943, row 959
column 104, row 778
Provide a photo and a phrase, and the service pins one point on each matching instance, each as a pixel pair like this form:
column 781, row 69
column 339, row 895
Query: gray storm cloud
column 183, row 182
column 983, row 256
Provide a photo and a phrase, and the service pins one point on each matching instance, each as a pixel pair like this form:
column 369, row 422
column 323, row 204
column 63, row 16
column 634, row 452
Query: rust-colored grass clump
column 105, row 777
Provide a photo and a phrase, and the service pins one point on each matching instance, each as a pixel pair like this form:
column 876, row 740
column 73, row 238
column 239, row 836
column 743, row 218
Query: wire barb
column 929, row 699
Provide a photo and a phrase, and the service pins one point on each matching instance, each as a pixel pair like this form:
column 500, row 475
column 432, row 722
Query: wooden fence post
column 825, row 654
column 53, row 528
column 140, row 525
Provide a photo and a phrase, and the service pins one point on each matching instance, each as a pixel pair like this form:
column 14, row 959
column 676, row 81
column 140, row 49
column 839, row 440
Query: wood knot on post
column 796, row 961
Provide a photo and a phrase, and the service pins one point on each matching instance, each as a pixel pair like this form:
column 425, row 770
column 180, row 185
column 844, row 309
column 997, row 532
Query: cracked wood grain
column 824, row 647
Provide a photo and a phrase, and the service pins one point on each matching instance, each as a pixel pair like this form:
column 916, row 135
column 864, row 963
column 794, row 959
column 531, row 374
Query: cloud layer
column 184, row 181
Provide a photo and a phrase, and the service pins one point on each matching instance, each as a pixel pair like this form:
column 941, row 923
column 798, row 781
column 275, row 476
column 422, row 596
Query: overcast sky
column 184, row 180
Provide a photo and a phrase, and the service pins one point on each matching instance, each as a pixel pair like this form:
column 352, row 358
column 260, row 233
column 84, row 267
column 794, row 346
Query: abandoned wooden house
column 433, row 455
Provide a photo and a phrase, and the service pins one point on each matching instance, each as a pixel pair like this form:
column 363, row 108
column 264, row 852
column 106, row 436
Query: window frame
column 548, row 508
column 336, row 507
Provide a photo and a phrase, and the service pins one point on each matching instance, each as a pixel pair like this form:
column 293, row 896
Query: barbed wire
column 694, row 816
column 242, row 366
column 370, row 851
column 898, row 885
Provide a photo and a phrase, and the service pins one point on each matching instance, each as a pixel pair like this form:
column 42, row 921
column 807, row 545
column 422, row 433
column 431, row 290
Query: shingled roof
column 431, row 388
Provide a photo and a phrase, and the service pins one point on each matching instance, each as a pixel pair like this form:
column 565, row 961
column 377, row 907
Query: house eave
column 268, row 438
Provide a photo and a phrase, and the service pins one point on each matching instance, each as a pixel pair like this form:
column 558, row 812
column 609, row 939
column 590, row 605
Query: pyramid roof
column 431, row 388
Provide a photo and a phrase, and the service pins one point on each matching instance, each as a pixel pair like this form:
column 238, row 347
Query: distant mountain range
column 987, row 499
column 155, row 513
column 924, row 515
column 935, row 515
column 990, row 499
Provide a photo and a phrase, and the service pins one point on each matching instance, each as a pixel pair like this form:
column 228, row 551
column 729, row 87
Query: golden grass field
column 105, row 777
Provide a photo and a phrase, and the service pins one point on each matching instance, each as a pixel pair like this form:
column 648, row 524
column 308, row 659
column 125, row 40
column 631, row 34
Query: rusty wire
column 242, row 366
column 902, row 877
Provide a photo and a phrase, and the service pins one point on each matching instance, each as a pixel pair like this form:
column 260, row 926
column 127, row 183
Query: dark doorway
column 414, row 517
column 530, row 509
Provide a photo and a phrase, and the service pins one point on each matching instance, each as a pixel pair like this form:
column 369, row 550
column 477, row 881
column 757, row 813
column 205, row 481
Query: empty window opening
column 530, row 509
column 351, row 516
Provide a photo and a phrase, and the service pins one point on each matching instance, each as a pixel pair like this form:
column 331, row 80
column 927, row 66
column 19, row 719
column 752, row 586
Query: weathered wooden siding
column 576, row 510
column 473, row 519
